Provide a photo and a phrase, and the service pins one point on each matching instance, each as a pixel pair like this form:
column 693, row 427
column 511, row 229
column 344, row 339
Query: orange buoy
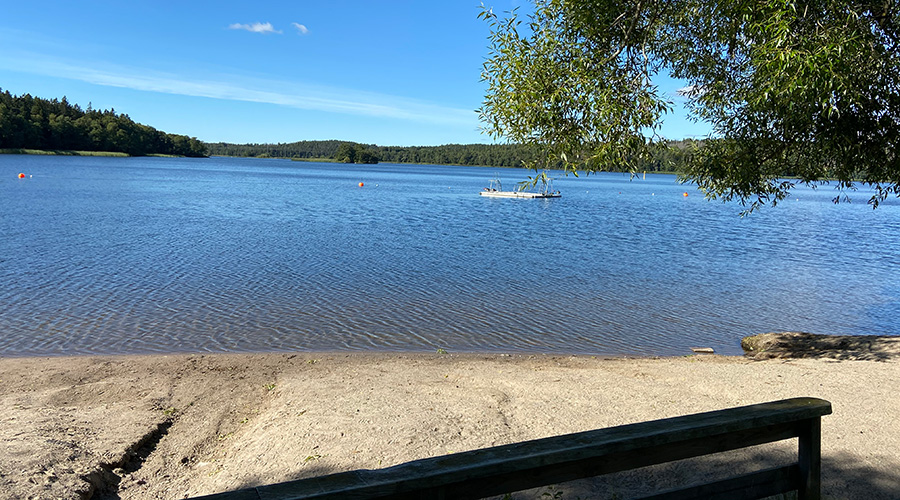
column 685, row 195
column 21, row 176
column 361, row 184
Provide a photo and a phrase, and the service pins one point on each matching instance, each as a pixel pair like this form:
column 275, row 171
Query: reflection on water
column 133, row 255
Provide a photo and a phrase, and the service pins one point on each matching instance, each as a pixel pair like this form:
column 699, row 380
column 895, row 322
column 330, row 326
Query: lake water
column 157, row 255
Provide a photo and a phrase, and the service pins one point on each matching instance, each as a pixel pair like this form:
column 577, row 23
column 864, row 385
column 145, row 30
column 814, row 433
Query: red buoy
column 361, row 184
column 21, row 176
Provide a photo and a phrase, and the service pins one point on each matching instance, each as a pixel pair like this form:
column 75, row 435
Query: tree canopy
column 28, row 122
column 669, row 156
column 355, row 153
column 803, row 89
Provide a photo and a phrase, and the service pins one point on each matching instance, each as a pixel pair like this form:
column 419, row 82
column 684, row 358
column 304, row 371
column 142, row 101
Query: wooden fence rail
column 529, row 464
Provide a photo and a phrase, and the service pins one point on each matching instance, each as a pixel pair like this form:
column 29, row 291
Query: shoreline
column 72, row 152
column 376, row 354
column 782, row 345
column 167, row 426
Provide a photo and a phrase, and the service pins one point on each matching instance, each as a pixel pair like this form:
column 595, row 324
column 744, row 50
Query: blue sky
column 389, row 73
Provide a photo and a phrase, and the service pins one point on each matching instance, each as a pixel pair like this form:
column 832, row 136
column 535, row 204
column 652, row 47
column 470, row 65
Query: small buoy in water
column 21, row 176
column 361, row 184
column 685, row 194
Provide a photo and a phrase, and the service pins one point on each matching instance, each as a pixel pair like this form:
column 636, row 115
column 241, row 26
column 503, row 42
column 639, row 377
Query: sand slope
column 173, row 426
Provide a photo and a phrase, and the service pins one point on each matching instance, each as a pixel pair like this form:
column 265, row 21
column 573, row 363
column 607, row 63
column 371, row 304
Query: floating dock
column 519, row 194
column 496, row 191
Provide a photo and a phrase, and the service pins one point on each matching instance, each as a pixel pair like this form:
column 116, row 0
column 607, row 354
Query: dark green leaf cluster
column 574, row 83
column 805, row 89
column 28, row 122
column 349, row 152
column 801, row 88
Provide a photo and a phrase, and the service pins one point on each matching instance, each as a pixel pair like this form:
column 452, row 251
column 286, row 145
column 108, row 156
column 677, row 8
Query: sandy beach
column 148, row 427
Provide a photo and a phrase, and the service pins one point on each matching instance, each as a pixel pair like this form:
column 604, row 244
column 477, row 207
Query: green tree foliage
column 668, row 157
column 809, row 89
column 490, row 155
column 349, row 152
column 28, row 122
column 300, row 149
column 501, row 155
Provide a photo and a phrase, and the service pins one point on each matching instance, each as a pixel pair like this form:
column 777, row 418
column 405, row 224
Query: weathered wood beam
column 756, row 485
column 514, row 467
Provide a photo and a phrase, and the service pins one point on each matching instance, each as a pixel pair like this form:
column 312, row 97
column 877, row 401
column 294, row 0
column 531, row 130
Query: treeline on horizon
column 496, row 155
column 28, row 122
column 668, row 158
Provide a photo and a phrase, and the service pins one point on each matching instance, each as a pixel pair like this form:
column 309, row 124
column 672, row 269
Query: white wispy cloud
column 234, row 88
column 264, row 28
column 300, row 28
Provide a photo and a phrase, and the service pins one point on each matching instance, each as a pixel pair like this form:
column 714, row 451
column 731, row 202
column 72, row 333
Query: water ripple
column 226, row 255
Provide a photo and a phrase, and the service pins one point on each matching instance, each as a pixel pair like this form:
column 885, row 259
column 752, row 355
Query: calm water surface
column 156, row 255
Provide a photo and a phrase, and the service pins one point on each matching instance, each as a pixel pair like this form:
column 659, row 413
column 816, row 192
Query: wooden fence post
column 810, row 459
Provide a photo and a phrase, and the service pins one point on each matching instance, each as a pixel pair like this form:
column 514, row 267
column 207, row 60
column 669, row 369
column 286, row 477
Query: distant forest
column 451, row 154
column 666, row 159
column 28, row 122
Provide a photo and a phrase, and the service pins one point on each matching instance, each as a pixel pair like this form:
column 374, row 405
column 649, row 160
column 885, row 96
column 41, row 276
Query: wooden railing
column 529, row 464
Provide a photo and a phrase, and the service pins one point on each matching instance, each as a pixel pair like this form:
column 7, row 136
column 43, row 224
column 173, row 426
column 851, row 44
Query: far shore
column 43, row 152
column 314, row 160
column 60, row 152
column 67, row 152
column 171, row 426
